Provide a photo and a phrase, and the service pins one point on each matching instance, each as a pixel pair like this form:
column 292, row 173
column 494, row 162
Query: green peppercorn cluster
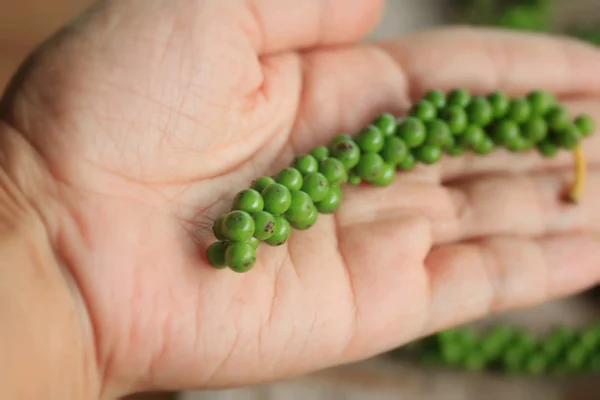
column 502, row 348
column 439, row 123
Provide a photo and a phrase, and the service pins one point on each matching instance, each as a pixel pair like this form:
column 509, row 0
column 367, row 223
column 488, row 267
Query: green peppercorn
column 423, row 110
column 436, row 97
column 300, row 206
column 370, row 139
column 386, row 123
column 472, row 136
column 281, row 233
column 568, row 137
column 558, row 118
column 277, row 198
column 412, row 131
column 308, row 222
column 438, row 133
column 408, row 164
column 248, row 200
column 386, row 176
column 394, row 150
column 586, row 124
column 452, row 354
column 331, row 202
column 428, row 154
column 500, row 104
column 264, row 225
column 459, row 97
column 316, row 186
column 291, row 178
column 216, row 255
column 536, row 363
column 306, row 164
column 347, row 151
column 254, row 242
column 240, row 257
column 540, row 102
column 547, row 148
column 480, row 111
column 519, row 144
column 576, row 357
column 354, row 179
column 519, row 110
column 369, row 166
column 261, row 183
column 506, row 131
column 339, row 138
column 334, row 171
column 534, row 129
column 238, row 226
column 474, row 361
column 320, row 153
column 456, row 117
column 486, row 146
column 217, row 228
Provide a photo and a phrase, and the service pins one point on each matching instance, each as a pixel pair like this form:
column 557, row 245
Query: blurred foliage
column 528, row 15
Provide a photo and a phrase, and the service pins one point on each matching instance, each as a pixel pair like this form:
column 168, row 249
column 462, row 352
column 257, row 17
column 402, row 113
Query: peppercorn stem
column 576, row 191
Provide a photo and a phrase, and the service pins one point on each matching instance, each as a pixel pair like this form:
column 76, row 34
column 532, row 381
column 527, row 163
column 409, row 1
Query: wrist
column 47, row 352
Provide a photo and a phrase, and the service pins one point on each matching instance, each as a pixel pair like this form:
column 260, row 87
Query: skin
column 127, row 133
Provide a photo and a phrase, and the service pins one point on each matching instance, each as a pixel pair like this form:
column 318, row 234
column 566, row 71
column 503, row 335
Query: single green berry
column 291, row 178
column 261, row 183
column 386, row 123
column 240, row 257
column 456, row 118
column 436, row 97
column 369, row 166
column 277, row 198
column 386, row 176
column 500, row 104
column 519, row 144
column 217, row 228
column 423, row 110
column 534, row 129
column 306, row 164
column 320, row 153
column 394, row 150
column 264, row 225
column 541, row 102
column 334, row 171
column 519, row 110
column 306, row 223
column 347, row 151
column 370, row 139
column 506, row 131
column 254, row 242
column 408, row 164
column 331, row 202
column 586, row 124
column 216, row 255
column 547, row 148
column 412, row 131
column 486, row 146
column 536, row 363
column 248, row 200
column 474, row 361
column 480, row 111
column 339, row 138
column 472, row 136
column 238, row 226
column 300, row 207
column 281, row 233
column 567, row 137
column 459, row 97
column 316, row 186
column 438, row 133
column 428, row 154
column 354, row 179
column 558, row 118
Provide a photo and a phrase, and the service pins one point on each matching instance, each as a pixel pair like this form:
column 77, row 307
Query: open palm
column 150, row 115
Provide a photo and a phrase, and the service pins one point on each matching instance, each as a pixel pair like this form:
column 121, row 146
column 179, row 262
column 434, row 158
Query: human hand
column 148, row 116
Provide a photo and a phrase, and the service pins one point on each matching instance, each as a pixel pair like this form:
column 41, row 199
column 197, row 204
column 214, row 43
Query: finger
column 484, row 60
column 472, row 280
column 276, row 25
column 344, row 89
column 503, row 204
